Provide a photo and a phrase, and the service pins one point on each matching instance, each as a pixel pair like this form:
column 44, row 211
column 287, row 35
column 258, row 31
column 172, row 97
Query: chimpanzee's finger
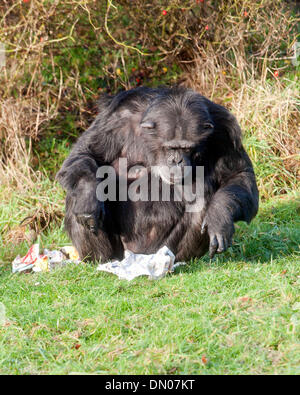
column 88, row 221
column 222, row 245
column 203, row 226
column 91, row 223
column 213, row 247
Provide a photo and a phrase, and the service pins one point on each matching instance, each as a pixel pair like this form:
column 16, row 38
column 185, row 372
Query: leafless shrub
column 20, row 122
column 269, row 116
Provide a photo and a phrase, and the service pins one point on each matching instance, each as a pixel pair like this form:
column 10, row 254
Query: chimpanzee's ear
column 226, row 124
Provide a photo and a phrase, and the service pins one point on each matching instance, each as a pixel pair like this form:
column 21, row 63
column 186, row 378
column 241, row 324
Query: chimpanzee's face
column 173, row 133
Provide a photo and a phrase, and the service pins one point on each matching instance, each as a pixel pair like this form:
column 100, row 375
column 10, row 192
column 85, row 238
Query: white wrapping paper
column 133, row 265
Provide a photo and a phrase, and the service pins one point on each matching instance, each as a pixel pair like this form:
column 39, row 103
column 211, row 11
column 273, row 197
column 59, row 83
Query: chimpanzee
column 161, row 129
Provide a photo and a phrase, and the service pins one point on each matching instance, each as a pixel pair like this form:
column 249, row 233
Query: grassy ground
column 239, row 313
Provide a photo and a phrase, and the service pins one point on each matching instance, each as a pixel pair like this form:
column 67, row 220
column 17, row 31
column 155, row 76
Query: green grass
column 241, row 310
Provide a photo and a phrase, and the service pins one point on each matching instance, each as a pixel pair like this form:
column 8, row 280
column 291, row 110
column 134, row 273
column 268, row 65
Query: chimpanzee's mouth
column 173, row 175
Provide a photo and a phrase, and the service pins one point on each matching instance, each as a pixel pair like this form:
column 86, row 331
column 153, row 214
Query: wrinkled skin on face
column 175, row 136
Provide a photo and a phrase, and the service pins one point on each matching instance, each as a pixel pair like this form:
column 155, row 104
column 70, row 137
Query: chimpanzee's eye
column 148, row 125
column 207, row 125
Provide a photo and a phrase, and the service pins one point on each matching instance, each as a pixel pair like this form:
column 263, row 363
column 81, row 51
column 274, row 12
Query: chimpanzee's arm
column 99, row 145
column 235, row 200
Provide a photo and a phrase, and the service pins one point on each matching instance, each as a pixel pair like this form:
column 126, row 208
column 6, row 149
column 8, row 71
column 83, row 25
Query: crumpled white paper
column 133, row 265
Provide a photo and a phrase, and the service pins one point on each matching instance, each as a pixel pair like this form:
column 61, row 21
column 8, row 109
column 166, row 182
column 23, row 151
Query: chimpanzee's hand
column 220, row 231
column 88, row 210
column 92, row 221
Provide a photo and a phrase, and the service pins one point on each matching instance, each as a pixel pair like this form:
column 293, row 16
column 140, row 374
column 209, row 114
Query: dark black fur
column 178, row 116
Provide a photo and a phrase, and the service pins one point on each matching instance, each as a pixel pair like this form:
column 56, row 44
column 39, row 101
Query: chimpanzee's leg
column 146, row 227
column 187, row 240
